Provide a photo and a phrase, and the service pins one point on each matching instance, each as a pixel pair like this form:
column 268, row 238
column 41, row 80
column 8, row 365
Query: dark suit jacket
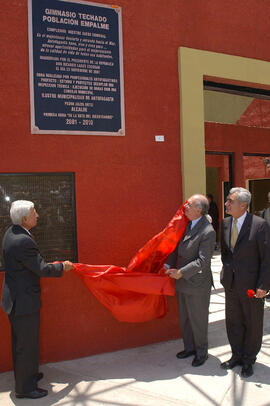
column 193, row 255
column 23, row 268
column 248, row 266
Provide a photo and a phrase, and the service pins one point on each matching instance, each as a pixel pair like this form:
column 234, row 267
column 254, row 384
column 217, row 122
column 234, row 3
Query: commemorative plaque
column 76, row 68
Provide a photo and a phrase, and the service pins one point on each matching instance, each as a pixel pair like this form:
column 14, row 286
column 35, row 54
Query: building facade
column 126, row 188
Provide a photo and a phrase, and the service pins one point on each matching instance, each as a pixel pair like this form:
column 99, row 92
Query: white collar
column 194, row 222
column 26, row 230
column 240, row 221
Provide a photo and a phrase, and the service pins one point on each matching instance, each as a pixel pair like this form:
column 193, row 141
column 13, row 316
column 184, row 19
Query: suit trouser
column 193, row 313
column 25, row 350
column 244, row 324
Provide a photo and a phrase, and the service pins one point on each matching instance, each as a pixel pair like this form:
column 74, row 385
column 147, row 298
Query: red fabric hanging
column 137, row 293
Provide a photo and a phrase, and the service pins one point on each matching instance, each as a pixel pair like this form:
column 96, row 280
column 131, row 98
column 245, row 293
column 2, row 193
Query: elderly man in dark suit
column 245, row 254
column 24, row 266
column 190, row 265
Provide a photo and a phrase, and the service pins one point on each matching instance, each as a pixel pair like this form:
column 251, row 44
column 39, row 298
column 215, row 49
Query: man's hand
column 68, row 266
column 260, row 293
column 174, row 273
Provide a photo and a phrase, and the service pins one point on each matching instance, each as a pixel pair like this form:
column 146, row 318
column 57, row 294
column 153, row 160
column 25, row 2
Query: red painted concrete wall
column 127, row 188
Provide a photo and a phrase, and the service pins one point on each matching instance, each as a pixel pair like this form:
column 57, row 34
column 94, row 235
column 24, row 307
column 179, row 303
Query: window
column 54, row 199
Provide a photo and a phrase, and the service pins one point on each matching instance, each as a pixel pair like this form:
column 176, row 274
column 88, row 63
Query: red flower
column 250, row 293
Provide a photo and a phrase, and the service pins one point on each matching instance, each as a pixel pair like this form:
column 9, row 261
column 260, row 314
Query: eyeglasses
column 189, row 205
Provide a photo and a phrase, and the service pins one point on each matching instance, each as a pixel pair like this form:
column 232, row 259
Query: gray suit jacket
column 266, row 215
column 193, row 255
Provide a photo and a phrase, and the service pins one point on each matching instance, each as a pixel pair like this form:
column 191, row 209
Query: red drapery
column 137, row 293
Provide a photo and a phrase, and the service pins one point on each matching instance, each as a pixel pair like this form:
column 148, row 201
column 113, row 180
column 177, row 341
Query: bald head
column 197, row 206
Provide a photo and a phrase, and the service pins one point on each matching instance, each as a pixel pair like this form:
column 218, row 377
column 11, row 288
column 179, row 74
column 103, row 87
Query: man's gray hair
column 243, row 195
column 202, row 203
column 268, row 195
column 19, row 209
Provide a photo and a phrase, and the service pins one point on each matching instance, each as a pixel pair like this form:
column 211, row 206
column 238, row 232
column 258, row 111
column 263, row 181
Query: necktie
column 234, row 234
column 187, row 230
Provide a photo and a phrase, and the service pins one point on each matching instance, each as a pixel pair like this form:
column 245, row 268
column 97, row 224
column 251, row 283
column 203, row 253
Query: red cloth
column 137, row 293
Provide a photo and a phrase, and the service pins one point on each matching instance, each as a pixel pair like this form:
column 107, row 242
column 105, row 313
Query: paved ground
column 152, row 376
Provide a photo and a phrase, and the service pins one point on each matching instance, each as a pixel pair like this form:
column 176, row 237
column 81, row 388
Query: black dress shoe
column 231, row 363
column 185, row 354
column 247, row 370
column 35, row 394
column 199, row 361
column 39, row 376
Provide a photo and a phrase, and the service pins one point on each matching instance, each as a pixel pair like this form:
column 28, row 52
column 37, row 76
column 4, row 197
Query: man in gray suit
column 190, row 265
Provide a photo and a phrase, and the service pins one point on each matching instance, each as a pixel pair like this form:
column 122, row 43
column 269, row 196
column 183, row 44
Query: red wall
column 127, row 188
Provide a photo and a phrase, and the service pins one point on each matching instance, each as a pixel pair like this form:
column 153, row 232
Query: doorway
column 194, row 67
column 259, row 189
column 219, row 176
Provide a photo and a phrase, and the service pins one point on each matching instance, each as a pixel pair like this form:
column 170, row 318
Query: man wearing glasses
column 190, row 265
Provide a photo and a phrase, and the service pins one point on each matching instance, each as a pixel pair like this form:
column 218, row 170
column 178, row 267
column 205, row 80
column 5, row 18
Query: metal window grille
column 54, row 197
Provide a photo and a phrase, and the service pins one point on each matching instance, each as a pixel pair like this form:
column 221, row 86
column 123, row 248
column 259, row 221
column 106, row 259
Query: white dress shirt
column 240, row 221
column 194, row 222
